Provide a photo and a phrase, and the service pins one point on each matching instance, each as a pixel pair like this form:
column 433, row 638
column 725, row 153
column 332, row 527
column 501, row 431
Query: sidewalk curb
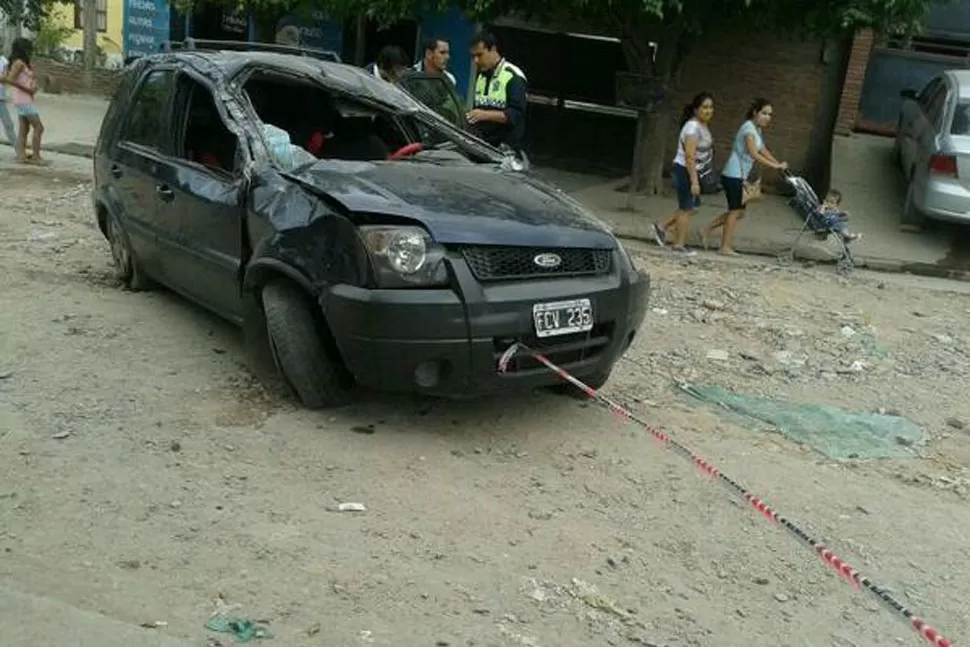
column 74, row 149
column 873, row 263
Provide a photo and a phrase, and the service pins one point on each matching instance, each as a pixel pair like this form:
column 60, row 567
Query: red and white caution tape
column 843, row 568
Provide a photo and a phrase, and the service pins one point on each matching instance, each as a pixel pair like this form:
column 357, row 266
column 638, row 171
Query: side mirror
column 908, row 94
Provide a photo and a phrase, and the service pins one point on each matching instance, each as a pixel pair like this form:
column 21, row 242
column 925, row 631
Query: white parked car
column 933, row 148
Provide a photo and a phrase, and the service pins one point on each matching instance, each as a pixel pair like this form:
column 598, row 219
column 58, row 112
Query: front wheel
column 317, row 378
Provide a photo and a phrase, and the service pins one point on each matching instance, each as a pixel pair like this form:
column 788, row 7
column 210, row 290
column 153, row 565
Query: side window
column 437, row 94
column 146, row 122
column 202, row 136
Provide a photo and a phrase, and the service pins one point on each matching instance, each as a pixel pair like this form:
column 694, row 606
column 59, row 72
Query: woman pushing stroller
column 747, row 150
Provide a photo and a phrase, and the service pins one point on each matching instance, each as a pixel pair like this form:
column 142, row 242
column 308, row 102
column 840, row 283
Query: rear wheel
column 595, row 382
column 301, row 356
column 125, row 263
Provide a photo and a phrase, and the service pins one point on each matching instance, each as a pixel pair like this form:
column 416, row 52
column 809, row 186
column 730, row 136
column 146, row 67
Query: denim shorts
column 27, row 110
column 686, row 201
column 734, row 192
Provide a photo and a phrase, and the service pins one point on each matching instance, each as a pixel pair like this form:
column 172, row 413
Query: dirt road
column 145, row 472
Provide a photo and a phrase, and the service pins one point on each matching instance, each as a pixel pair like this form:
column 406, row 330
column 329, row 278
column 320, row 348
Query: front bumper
column 447, row 342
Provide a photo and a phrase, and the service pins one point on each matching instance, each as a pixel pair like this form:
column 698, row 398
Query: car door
column 201, row 187
column 926, row 128
column 436, row 92
column 141, row 147
column 911, row 115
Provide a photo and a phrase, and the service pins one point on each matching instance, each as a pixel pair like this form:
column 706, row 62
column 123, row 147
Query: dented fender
column 294, row 232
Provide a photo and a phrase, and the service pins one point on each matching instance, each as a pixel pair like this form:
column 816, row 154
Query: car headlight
column 405, row 256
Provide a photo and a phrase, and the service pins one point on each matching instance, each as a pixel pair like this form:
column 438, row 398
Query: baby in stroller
column 833, row 219
column 822, row 218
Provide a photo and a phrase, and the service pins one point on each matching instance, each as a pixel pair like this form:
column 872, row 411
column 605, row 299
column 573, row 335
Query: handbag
column 751, row 191
column 707, row 179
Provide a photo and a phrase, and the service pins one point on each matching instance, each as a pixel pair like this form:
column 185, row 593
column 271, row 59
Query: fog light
column 427, row 374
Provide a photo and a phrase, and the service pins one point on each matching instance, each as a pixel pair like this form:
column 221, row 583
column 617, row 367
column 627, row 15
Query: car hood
column 462, row 204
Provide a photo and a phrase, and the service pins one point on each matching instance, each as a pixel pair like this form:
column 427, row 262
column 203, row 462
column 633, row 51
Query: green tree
column 27, row 13
column 656, row 35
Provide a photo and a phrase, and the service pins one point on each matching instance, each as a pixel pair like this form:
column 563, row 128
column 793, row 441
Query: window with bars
column 102, row 14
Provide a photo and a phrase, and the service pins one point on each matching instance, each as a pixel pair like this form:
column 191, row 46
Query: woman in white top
column 695, row 157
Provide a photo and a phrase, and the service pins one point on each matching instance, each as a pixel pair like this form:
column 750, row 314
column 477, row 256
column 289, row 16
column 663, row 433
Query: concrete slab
column 71, row 122
column 32, row 620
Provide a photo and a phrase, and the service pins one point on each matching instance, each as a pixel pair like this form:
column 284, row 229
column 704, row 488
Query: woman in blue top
column 748, row 148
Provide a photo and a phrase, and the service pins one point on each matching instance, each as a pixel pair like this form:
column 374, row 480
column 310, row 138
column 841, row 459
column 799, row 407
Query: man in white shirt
column 437, row 53
column 8, row 128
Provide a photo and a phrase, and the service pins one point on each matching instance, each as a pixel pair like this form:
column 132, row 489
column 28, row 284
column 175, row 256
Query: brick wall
column 54, row 78
column 738, row 68
column 855, row 76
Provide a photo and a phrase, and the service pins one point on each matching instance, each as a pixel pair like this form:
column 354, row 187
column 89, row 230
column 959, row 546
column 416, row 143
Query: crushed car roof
column 339, row 76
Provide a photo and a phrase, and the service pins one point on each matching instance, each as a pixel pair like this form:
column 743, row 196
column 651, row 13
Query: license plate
column 563, row 317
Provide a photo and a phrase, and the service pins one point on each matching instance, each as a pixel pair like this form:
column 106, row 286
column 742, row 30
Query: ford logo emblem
column 548, row 261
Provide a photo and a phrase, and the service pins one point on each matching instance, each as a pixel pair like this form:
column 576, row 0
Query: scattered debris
column 242, row 629
column 153, row 625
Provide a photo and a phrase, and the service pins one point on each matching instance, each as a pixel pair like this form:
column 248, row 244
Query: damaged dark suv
column 358, row 237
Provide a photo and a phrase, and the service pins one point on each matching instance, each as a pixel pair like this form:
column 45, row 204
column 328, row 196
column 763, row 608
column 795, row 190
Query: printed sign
column 146, row 26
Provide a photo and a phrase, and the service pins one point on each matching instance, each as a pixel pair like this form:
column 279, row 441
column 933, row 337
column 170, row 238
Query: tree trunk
column 90, row 17
column 653, row 128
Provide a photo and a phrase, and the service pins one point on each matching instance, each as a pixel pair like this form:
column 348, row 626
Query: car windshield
column 347, row 123
column 961, row 119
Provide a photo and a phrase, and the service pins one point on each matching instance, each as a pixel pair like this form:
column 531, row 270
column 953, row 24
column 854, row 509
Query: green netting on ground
column 833, row 432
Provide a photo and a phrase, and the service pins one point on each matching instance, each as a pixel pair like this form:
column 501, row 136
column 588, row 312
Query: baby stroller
column 806, row 204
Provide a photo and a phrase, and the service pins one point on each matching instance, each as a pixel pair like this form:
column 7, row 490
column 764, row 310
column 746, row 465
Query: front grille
column 564, row 351
column 493, row 263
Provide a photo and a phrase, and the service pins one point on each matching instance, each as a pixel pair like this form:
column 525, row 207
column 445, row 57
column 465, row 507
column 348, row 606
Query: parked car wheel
column 299, row 350
column 125, row 263
column 911, row 216
column 596, row 382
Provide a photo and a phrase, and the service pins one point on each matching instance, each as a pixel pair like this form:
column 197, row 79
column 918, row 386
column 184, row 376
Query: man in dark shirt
column 498, row 109
column 390, row 65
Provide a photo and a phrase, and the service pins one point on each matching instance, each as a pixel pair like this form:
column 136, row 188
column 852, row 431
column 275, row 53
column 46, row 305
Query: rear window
column 961, row 119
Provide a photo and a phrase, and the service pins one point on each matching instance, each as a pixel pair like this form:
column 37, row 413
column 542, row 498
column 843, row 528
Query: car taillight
column 943, row 165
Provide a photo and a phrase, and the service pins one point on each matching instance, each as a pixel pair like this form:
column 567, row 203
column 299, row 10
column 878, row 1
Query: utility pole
column 90, row 20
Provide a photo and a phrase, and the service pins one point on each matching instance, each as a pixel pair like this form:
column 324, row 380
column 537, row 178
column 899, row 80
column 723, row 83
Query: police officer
column 498, row 111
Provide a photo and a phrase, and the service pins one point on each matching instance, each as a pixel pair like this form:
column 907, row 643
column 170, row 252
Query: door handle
column 165, row 193
column 116, row 171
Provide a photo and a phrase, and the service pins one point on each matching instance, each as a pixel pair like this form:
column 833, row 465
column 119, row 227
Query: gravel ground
column 147, row 473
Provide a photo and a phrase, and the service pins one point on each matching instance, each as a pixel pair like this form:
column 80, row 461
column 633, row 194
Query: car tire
column 595, row 382
column 123, row 258
column 911, row 217
column 299, row 350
